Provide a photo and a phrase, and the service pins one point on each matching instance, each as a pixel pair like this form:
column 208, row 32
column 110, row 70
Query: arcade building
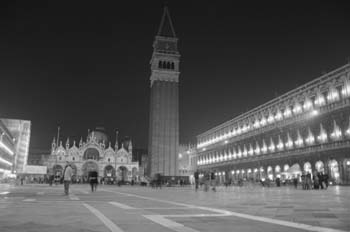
column 306, row 130
column 113, row 164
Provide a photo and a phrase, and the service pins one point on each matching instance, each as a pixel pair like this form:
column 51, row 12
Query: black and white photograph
column 185, row 116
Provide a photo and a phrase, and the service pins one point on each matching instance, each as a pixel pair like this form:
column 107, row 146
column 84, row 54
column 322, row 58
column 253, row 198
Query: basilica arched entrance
column 89, row 166
column 91, row 153
column 57, row 170
column 109, row 171
column 122, row 173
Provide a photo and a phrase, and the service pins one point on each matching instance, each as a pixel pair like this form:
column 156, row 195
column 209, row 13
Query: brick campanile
column 164, row 104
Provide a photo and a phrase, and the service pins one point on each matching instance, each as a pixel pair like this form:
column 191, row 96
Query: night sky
column 85, row 64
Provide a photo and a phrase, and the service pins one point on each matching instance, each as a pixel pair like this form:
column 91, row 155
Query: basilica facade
column 94, row 154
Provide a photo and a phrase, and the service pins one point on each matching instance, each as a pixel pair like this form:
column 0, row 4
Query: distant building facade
column 94, row 154
column 185, row 160
column 164, row 102
column 305, row 130
column 14, row 146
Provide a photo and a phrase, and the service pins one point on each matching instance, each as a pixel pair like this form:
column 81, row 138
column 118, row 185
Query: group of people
column 318, row 180
column 67, row 178
column 208, row 180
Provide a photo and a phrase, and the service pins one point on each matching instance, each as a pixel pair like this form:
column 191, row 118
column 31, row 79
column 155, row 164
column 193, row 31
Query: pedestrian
column 213, row 181
column 67, row 177
column 295, row 182
column 196, row 179
column 93, row 180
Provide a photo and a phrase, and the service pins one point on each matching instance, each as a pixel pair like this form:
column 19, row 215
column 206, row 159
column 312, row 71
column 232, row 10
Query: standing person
column 67, row 177
column 295, row 181
column 213, row 181
column 196, row 179
column 93, row 180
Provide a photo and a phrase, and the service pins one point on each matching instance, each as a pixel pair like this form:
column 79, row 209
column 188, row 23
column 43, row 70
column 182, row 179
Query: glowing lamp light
column 264, row 149
column 320, row 101
column 255, row 170
column 180, row 155
column 249, row 171
column 232, row 172
column 348, row 163
column 263, row 121
column 226, row 141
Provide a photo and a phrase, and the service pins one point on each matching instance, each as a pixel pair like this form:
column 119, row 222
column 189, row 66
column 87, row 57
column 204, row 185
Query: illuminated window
column 307, row 104
column 289, row 143
column 264, row 147
column 263, row 121
column 320, row 101
column 346, row 88
column 299, row 142
column 310, row 138
column 287, row 112
column 280, row 145
column 322, row 138
column 336, row 134
column 257, row 148
column 245, row 153
column 297, row 108
column 272, row 146
column 278, row 115
column 347, row 132
column 270, row 119
column 251, row 151
column 333, row 94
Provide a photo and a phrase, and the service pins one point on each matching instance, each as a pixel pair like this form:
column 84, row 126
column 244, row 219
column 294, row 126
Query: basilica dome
column 100, row 135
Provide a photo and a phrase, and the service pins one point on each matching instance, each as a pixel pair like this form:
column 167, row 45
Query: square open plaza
column 35, row 207
column 281, row 166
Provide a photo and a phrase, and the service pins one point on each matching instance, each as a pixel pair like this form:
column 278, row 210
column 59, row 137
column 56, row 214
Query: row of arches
column 166, row 65
column 337, row 170
column 280, row 143
column 121, row 173
column 308, row 103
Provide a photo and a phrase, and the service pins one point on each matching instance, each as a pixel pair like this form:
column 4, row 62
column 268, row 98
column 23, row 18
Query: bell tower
column 164, row 103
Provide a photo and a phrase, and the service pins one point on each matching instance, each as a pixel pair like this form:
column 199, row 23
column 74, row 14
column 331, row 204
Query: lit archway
column 319, row 166
column 91, row 154
column 307, row 167
column 269, row 173
column 122, row 173
column 89, row 166
column 334, row 171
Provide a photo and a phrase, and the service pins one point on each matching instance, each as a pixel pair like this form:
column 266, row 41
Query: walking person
column 67, row 177
column 93, row 180
column 196, row 179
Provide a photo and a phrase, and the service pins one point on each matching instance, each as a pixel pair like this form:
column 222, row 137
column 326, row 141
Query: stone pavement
column 117, row 209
